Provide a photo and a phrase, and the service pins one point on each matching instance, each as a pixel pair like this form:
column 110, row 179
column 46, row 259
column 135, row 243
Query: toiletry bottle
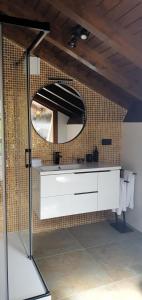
column 96, row 155
column 89, row 157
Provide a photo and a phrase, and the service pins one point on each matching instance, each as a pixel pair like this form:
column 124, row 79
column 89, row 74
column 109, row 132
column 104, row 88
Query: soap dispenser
column 96, row 155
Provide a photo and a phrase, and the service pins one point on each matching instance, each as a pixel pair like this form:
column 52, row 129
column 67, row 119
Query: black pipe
column 36, row 41
column 45, row 26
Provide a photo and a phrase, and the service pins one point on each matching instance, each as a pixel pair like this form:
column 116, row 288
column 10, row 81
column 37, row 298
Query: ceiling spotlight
column 77, row 33
column 72, row 42
column 84, row 34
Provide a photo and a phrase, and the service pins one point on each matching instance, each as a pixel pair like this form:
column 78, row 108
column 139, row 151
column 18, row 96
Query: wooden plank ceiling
column 109, row 62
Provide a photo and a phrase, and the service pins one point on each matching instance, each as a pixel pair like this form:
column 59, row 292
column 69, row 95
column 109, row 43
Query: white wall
column 131, row 157
column 67, row 132
column 62, row 127
column 73, row 130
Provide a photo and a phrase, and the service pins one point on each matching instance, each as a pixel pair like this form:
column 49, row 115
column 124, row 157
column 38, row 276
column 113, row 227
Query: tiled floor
column 90, row 262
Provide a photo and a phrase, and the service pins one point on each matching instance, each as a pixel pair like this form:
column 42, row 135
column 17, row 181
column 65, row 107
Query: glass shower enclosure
column 15, row 164
column 3, row 225
column 15, row 198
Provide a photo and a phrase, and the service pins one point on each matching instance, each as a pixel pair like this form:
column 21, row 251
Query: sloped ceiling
column 109, row 62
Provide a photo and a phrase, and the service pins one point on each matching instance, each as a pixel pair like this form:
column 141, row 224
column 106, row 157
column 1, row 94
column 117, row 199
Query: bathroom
column 75, row 255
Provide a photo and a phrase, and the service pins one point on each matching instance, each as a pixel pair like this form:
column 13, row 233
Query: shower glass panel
column 17, row 137
column 3, row 233
column 23, row 153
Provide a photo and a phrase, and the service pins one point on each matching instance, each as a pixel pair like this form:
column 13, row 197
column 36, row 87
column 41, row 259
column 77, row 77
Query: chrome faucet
column 56, row 157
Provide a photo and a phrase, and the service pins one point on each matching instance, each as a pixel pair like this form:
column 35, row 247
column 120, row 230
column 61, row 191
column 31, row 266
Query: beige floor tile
column 91, row 262
column 98, row 234
column 70, row 273
column 55, row 242
column 113, row 254
column 128, row 289
column 109, row 292
column 118, row 260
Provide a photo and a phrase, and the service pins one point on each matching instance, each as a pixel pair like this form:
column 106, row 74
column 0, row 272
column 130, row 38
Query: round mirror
column 57, row 113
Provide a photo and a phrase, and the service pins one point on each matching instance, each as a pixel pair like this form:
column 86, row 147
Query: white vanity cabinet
column 70, row 192
column 108, row 187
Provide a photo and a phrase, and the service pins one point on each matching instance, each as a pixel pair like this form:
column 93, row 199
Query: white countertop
column 72, row 168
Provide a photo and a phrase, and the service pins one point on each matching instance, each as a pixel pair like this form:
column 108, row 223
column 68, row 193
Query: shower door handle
column 28, row 158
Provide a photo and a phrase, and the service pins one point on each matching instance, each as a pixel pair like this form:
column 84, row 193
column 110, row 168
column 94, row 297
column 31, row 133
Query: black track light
column 72, row 42
column 84, row 34
column 77, row 33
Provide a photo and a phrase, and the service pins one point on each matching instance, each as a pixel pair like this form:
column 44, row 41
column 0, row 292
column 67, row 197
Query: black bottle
column 96, row 155
column 89, row 157
column 56, row 157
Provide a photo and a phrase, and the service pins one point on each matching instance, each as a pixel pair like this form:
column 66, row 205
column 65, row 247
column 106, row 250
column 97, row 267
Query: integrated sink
column 71, row 166
column 60, row 167
column 50, row 168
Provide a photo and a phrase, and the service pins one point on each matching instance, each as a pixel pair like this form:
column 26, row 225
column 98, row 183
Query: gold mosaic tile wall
column 103, row 121
column 15, row 112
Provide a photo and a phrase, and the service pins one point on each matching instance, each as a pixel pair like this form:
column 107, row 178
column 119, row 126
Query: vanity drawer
column 85, row 182
column 52, row 207
column 60, row 184
column 65, row 184
column 86, row 202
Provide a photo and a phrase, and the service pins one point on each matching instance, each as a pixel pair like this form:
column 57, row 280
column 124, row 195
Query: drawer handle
column 84, row 193
column 92, row 172
column 85, row 172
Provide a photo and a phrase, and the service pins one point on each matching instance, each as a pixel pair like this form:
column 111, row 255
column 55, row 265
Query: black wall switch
column 106, row 141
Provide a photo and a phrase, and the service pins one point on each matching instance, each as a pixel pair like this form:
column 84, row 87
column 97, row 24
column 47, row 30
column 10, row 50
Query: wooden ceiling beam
column 86, row 76
column 57, row 38
column 87, row 15
column 100, row 66
column 76, row 70
column 55, row 107
column 94, row 61
column 61, row 102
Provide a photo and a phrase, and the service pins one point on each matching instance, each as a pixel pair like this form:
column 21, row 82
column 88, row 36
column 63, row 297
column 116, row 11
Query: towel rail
column 122, row 173
column 134, row 173
column 121, row 225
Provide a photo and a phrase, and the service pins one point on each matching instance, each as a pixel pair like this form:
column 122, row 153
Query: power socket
column 106, row 141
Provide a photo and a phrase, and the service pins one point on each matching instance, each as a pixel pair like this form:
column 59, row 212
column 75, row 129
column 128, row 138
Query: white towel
column 126, row 198
column 122, row 197
column 130, row 177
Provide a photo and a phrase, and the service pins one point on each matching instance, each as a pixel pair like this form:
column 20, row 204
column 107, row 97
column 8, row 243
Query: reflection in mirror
column 57, row 113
